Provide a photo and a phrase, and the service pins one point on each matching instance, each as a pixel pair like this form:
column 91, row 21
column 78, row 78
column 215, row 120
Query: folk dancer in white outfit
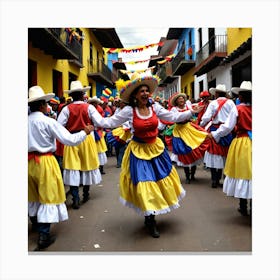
column 216, row 114
column 81, row 163
column 46, row 194
column 238, row 167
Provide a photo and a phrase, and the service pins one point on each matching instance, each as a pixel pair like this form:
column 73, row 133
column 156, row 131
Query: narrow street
column 206, row 222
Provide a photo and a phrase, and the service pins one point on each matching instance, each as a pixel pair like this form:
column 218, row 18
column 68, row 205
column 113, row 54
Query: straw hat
column 218, row 88
column 77, row 86
column 36, row 93
column 246, row 86
column 136, row 81
column 175, row 96
column 95, row 99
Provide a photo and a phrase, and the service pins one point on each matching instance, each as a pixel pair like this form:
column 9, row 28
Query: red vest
column 78, row 117
column 244, row 121
column 145, row 129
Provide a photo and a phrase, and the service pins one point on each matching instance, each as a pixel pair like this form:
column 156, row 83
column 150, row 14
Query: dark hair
column 132, row 100
column 77, row 95
column 246, row 96
column 221, row 93
column 35, row 106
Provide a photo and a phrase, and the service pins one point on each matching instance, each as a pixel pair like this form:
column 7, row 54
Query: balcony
column 183, row 61
column 101, row 73
column 211, row 54
column 55, row 42
column 165, row 74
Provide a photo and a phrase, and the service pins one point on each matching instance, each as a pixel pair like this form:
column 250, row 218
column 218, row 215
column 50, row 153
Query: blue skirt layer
column 150, row 170
column 224, row 141
column 96, row 136
column 179, row 146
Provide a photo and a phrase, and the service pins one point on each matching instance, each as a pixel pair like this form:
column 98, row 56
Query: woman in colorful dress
column 238, row 166
column 189, row 141
column 149, row 183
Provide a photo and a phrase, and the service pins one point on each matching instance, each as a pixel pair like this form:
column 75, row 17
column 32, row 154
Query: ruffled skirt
column 118, row 137
column 189, row 143
column 148, row 182
column 46, row 193
column 81, row 163
column 238, row 169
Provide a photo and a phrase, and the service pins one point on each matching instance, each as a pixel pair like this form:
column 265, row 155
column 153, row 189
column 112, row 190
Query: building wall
column 46, row 64
column 237, row 36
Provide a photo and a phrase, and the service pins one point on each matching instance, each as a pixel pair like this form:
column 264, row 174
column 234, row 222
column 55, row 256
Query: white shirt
column 126, row 114
column 43, row 131
column 222, row 114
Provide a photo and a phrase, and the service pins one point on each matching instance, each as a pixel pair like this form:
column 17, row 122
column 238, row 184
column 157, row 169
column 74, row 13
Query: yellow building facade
column 237, row 36
column 46, row 65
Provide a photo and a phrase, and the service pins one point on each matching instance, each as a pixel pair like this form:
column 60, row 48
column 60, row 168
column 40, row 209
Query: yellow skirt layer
column 45, row 184
column 189, row 134
column 122, row 134
column 149, row 197
column 146, row 151
column 83, row 157
column 239, row 159
column 101, row 144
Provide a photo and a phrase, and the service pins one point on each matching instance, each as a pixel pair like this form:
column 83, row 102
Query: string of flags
column 133, row 49
column 138, row 71
column 166, row 59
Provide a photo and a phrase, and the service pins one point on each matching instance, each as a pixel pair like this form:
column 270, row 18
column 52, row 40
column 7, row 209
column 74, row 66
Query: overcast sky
column 140, row 36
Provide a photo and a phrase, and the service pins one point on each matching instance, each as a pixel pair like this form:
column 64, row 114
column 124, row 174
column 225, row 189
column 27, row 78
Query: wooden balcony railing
column 217, row 44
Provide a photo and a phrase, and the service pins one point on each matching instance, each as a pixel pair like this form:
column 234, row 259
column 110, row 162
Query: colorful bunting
column 134, row 49
column 167, row 58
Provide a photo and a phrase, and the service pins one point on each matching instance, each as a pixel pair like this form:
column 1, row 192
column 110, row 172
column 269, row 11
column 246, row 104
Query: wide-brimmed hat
column 175, row 96
column 77, row 86
column 36, row 93
column 246, row 86
column 218, row 88
column 136, row 81
column 95, row 99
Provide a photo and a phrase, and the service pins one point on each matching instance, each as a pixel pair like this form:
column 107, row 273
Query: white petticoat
column 48, row 213
column 214, row 161
column 77, row 178
column 102, row 158
column 239, row 188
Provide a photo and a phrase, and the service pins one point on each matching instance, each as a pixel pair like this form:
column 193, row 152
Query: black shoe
column 76, row 204
column 151, row 225
column 243, row 212
column 188, row 181
column 45, row 240
column 214, row 185
column 85, row 199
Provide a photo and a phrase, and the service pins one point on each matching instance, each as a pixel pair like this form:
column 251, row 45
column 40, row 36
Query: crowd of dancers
column 69, row 141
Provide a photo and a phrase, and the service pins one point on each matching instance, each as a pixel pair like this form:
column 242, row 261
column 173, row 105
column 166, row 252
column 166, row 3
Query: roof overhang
column 107, row 37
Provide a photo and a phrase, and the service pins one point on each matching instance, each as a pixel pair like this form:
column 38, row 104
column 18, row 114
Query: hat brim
column 236, row 90
column 78, row 89
column 214, row 90
column 175, row 97
column 151, row 83
column 47, row 97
